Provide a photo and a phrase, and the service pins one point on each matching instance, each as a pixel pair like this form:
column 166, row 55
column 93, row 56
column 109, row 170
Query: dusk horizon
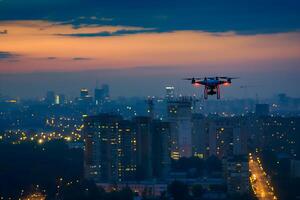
column 149, row 100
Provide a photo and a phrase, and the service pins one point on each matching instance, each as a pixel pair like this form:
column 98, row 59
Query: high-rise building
column 110, row 149
column 161, row 149
column 62, row 99
column 200, row 136
column 50, row 97
column 170, row 94
column 236, row 172
column 227, row 137
column 101, row 94
column 144, row 147
column 127, row 151
column 180, row 118
column 85, row 98
column 106, row 91
column 84, row 92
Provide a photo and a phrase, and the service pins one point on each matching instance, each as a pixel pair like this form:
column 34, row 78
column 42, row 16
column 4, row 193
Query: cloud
column 81, row 58
column 4, row 55
column 249, row 17
column 51, row 58
column 4, row 32
column 114, row 33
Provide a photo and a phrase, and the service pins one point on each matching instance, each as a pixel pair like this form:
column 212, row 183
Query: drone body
column 211, row 84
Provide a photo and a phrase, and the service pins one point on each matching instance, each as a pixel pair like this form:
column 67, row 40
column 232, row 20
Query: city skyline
column 258, row 41
column 149, row 100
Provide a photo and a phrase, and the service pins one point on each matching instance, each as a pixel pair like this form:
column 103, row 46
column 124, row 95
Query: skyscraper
column 102, row 147
column 144, row 147
column 161, row 149
column 200, row 136
column 84, row 92
column 106, row 91
column 50, row 97
column 101, row 94
column 170, row 94
column 85, row 97
column 180, row 118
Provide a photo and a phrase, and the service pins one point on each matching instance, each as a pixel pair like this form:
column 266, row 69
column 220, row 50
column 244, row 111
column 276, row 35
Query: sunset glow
column 47, row 46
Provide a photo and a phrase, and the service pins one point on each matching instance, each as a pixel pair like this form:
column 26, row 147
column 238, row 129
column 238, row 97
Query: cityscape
column 145, row 146
column 149, row 100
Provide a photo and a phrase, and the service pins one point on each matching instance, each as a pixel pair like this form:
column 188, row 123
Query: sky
column 139, row 47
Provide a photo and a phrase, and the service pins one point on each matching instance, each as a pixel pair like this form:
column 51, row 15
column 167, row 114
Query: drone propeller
column 225, row 77
column 190, row 79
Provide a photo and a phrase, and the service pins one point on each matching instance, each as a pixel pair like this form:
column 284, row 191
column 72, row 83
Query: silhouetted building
column 101, row 94
column 200, row 136
column 161, row 149
column 180, row 118
column 144, row 147
column 106, row 91
column 50, row 97
column 62, row 99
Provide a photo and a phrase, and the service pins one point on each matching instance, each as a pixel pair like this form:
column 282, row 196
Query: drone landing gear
column 218, row 92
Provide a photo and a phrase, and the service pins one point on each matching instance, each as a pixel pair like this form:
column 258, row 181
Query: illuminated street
column 259, row 181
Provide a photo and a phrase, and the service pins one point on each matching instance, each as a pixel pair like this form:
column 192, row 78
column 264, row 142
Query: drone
column 211, row 84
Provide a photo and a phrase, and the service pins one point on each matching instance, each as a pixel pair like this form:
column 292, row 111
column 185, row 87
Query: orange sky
column 34, row 41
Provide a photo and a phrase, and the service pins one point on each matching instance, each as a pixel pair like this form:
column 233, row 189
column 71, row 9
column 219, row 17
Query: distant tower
column 50, row 97
column 150, row 107
column 170, row 94
column 84, row 92
column 106, row 91
column 101, row 95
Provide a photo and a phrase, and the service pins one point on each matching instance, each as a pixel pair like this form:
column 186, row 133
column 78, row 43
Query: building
column 278, row 134
column 179, row 114
column 84, row 93
column 145, row 188
column 144, row 147
column 50, row 97
column 85, row 98
column 236, row 172
column 101, row 94
column 118, row 150
column 127, row 151
column 170, row 92
column 161, row 149
column 110, row 148
column 227, row 137
column 200, row 136
column 295, row 168
column 262, row 109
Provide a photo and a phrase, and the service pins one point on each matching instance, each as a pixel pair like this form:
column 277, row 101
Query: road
column 260, row 182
